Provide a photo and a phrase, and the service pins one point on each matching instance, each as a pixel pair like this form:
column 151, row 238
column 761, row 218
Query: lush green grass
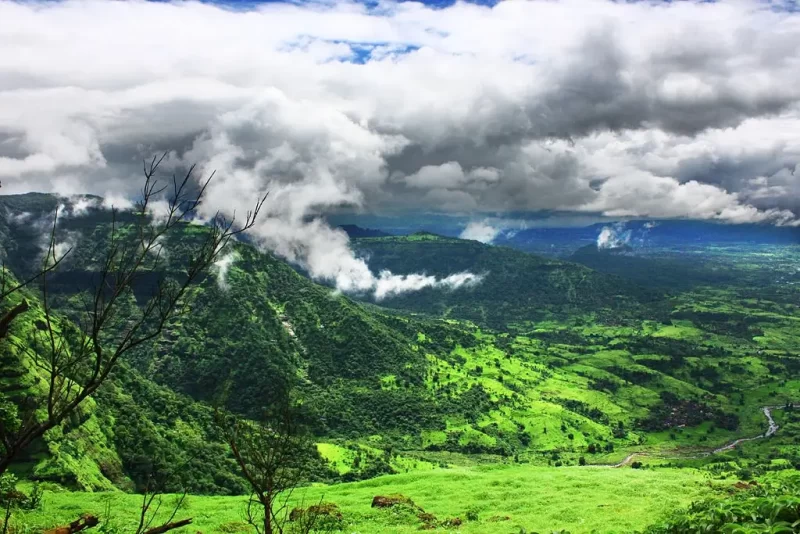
column 345, row 458
column 534, row 498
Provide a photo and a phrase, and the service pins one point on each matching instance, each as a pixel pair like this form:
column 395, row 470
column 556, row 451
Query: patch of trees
column 707, row 372
column 583, row 409
column 633, row 375
column 346, row 410
column 675, row 412
column 453, row 443
column 560, row 336
column 732, row 324
column 676, row 349
column 663, row 365
column 790, row 363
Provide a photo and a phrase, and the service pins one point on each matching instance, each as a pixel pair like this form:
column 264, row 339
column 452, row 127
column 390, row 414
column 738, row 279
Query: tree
column 272, row 454
column 11, row 498
column 111, row 324
column 152, row 501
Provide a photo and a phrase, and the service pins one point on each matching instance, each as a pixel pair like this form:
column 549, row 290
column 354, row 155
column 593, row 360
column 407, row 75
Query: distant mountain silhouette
column 356, row 231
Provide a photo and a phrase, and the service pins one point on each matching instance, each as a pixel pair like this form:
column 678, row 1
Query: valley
column 496, row 403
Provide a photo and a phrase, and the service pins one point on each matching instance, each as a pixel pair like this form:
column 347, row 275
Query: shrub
column 759, row 508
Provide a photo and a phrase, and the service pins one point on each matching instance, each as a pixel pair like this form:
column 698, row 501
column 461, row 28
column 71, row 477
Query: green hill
column 516, row 288
column 544, row 362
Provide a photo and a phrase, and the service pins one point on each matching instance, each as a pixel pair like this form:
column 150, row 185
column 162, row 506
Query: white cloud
column 613, row 236
column 682, row 109
column 389, row 285
column 61, row 248
column 18, row 218
column 221, row 268
column 159, row 211
column 480, row 231
column 81, row 205
column 112, row 200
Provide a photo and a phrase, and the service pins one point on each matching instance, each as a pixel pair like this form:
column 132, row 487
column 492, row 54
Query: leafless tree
column 152, row 501
column 270, row 454
column 110, row 325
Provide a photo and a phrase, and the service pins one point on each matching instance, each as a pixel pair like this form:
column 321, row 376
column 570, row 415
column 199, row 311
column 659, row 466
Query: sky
column 623, row 109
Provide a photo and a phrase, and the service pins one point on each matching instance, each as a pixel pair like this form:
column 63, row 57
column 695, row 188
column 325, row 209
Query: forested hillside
column 543, row 362
column 259, row 330
column 516, row 286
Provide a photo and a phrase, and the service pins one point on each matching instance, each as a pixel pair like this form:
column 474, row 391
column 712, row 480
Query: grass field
column 506, row 499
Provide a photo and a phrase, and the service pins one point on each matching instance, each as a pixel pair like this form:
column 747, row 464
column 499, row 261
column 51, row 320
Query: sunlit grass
column 534, row 498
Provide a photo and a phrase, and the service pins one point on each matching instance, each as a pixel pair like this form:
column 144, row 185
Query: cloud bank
column 674, row 110
column 613, row 236
column 480, row 231
column 389, row 285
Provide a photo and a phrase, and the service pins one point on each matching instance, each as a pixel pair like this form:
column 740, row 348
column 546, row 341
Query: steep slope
column 254, row 331
column 129, row 429
column 267, row 325
column 516, row 287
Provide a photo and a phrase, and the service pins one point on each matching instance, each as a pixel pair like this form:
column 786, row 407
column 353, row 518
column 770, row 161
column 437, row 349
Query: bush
column 759, row 508
column 18, row 499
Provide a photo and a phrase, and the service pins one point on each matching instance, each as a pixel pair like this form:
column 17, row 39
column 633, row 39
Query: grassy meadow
column 506, row 499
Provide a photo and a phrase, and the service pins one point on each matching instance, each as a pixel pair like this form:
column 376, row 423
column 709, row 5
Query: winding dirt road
column 771, row 430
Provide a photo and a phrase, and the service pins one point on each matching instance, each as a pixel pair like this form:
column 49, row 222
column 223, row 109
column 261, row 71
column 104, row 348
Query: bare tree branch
column 7, row 288
column 86, row 521
column 108, row 329
column 269, row 456
column 166, row 527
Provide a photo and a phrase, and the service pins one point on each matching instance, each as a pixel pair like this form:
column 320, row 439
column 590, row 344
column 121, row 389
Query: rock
column 323, row 509
column 387, row 501
column 426, row 517
column 453, row 522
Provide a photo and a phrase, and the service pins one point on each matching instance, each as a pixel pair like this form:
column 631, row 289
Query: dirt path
column 771, row 430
